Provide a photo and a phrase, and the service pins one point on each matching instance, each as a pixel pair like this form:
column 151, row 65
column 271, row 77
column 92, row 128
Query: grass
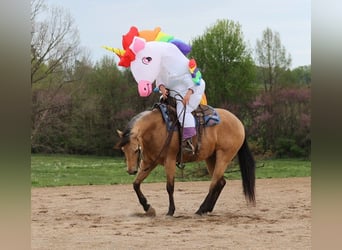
column 276, row 168
column 67, row 170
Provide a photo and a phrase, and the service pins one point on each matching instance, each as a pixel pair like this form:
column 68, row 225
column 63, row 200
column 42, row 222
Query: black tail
column 247, row 168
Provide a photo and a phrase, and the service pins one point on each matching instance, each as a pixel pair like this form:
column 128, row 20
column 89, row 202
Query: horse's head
column 131, row 148
column 146, row 66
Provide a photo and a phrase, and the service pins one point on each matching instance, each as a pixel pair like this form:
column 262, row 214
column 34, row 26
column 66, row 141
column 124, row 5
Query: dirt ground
column 110, row 217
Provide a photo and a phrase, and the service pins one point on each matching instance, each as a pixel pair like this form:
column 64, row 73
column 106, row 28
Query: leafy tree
column 302, row 74
column 271, row 57
column 226, row 64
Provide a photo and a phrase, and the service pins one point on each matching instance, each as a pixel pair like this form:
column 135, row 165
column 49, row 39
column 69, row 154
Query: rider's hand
column 186, row 98
column 164, row 91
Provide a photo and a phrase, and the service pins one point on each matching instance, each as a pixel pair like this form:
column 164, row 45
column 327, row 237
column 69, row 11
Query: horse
column 154, row 56
column 146, row 142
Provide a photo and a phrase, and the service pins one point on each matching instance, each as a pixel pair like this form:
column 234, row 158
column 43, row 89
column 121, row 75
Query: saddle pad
column 209, row 114
column 165, row 113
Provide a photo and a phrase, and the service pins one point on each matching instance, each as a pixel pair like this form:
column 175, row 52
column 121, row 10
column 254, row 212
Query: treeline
column 82, row 116
column 77, row 106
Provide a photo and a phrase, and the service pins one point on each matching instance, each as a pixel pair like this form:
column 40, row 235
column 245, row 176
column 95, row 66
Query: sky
column 103, row 22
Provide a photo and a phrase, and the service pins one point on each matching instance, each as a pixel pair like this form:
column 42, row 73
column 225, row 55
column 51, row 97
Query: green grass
column 279, row 168
column 66, row 170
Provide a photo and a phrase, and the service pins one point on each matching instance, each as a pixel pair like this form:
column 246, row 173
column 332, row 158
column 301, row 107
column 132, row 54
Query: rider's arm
column 186, row 98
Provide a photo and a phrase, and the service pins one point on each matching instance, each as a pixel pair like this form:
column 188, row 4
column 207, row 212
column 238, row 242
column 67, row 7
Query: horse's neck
column 150, row 121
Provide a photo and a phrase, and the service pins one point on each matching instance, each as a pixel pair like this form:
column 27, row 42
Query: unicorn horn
column 118, row 52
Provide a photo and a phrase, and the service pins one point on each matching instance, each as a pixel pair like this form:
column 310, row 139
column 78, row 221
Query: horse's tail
column 247, row 168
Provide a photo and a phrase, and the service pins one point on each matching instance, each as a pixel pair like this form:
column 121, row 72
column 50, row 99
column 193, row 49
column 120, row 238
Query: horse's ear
column 117, row 146
column 138, row 44
column 120, row 133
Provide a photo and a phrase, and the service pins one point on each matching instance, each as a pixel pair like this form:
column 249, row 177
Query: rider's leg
column 189, row 129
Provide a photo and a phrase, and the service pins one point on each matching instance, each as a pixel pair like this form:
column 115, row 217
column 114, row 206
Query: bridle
column 165, row 146
column 140, row 155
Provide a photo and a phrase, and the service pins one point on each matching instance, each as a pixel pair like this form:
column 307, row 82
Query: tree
column 286, row 130
column 54, row 40
column 272, row 58
column 54, row 50
column 226, row 64
column 302, row 74
column 105, row 102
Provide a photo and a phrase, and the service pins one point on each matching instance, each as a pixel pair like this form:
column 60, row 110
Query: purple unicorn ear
column 183, row 47
column 138, row 44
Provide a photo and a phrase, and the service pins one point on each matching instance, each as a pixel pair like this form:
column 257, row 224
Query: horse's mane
column 126, row 134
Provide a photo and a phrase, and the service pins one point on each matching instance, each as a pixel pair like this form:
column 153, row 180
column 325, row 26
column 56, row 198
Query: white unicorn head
column 147, row 52
column 146, row 66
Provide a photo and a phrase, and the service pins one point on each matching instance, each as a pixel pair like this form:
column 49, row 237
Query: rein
column 166, row 144
column 167, row 141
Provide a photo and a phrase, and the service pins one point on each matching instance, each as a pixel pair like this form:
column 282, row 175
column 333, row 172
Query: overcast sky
column 103, row 22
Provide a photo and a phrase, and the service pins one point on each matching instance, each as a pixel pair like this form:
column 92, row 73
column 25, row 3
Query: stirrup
column 188, row 146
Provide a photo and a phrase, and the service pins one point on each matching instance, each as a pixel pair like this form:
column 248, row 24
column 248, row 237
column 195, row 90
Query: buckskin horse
column 146, row 142
column 155, row 56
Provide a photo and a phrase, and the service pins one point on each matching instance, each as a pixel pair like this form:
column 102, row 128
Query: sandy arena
column 110, row 217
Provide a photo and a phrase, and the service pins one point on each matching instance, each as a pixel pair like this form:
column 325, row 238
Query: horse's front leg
column 170, row 169
column 170, row 186
column 142, row 174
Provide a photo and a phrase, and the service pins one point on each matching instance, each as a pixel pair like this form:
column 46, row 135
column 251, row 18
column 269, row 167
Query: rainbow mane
column 127, row 56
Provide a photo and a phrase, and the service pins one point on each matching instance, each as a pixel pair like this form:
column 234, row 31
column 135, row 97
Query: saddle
column 204, row 115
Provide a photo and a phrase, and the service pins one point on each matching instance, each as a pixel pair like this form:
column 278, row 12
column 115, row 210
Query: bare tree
column 54, row 40
column 272, row 58
column 37, row 6
column 54, row 52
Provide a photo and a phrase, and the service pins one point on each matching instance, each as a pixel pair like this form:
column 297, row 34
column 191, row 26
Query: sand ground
column 110, row 217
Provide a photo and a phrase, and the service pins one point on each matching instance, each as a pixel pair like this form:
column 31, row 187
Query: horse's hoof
column 151, row 212
column 169, row 217
column 200, row 213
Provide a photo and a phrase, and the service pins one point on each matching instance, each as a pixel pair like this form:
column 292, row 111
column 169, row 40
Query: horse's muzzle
column 132, row 172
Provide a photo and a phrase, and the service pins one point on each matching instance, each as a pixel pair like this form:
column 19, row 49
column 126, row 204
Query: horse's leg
column 217, row 181
column 170, row 189
column 170, row 168
column 142, row 174
column 210, row 200
column 216, row 193
column 211, row 161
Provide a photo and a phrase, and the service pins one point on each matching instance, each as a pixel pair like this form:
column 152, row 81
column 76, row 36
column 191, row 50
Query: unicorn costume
column 174, row 74
column 154, row 56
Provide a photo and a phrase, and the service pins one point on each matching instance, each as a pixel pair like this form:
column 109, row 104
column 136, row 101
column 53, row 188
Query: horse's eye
column 146, row 60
